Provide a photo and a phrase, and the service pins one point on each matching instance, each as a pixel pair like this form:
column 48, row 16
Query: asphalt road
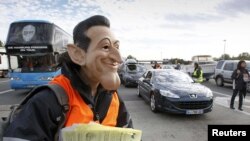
column 162, row 126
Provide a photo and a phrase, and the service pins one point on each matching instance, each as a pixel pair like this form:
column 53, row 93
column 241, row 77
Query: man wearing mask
column 89, row 77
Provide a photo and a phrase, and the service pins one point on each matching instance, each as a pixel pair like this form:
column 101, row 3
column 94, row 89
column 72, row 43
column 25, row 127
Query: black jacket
column 38, row 121
column 239, row 82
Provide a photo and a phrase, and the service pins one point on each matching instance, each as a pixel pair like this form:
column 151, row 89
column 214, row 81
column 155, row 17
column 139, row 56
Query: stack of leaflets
column 97, row 132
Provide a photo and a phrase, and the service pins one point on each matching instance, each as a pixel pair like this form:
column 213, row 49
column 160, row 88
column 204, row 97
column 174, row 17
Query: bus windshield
column 43, row 63
column 29, row 33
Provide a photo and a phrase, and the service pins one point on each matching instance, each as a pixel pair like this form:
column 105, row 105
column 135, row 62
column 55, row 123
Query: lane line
column 2, row 92
column 4, row 81
column 244, row 99
column 221, row 94
column 223, row 101
column 246, row 106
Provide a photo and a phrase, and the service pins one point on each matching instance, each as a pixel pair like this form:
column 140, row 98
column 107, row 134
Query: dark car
column 174, row 91
column 130, row 73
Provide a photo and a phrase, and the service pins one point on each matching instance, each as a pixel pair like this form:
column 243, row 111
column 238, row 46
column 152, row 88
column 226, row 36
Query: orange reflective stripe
column 79, row 111
column 111, row 117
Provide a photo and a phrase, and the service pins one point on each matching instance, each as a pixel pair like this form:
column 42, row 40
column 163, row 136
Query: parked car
column 224, row 70
column 130, row 73
column 174, row 91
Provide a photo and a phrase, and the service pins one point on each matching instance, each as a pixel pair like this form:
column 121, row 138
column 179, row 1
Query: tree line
column 241, row 56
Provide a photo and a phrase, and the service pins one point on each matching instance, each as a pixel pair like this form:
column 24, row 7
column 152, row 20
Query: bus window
column 44, row 63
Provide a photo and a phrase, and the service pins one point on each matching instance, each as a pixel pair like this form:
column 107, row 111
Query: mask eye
column 105, row 48
column 116, row 46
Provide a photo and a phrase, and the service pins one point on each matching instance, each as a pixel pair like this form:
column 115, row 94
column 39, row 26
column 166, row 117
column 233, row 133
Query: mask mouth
column 113, row 64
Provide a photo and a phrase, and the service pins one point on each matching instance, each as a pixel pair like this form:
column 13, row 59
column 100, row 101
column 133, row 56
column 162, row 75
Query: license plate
column 194, row 112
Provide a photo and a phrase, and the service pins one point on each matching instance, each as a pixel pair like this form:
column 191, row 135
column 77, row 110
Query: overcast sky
column 149, row 29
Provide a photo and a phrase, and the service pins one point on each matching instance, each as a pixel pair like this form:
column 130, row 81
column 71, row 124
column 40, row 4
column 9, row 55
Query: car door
column 219, row 68
column 148, row 84
column 145, row 85
column 141, row 84
column 227, row 71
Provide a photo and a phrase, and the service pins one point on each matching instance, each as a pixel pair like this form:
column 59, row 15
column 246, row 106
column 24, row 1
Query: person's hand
column 238, row 71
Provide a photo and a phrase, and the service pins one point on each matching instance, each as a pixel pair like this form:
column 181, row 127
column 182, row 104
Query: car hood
column 183, row 89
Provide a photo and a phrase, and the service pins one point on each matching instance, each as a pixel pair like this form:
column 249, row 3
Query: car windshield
column 173, row 77
column 133, row 68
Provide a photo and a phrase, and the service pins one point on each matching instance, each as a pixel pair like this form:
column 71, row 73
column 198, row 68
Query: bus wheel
column 5, row 74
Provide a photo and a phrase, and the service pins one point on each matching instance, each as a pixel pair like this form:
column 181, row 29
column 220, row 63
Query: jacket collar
column 79, row 82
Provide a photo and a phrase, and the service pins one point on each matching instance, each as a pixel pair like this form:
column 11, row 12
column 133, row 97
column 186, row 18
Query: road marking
column 246, row 106
column 221, row 94
column 223, row 101
column 2, row 92
column 245, row 99
column 4, row 81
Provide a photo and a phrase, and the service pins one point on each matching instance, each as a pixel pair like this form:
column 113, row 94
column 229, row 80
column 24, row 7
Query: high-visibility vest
column 200, row 78
column 79, row 111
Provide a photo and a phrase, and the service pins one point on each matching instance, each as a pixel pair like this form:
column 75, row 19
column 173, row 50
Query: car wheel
column 153, row 103
column 219, row 81
column 138, row 91
column 207, row 79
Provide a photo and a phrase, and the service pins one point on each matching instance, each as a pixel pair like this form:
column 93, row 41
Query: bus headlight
column 46, row 78
column 15, row 78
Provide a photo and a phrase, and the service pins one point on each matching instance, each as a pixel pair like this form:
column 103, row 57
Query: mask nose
column 115, row 55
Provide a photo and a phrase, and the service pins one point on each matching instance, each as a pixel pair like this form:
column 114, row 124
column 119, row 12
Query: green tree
column 244, row 56
column 234, row 58
column 225, row 57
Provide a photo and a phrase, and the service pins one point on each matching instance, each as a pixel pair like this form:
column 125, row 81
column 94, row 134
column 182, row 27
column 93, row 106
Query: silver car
column 224, row 70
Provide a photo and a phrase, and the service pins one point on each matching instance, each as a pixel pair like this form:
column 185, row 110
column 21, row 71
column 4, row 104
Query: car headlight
column 209, row 94
column 169, row 94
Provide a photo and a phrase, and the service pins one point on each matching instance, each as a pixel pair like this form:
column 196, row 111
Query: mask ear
column 76, row 54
